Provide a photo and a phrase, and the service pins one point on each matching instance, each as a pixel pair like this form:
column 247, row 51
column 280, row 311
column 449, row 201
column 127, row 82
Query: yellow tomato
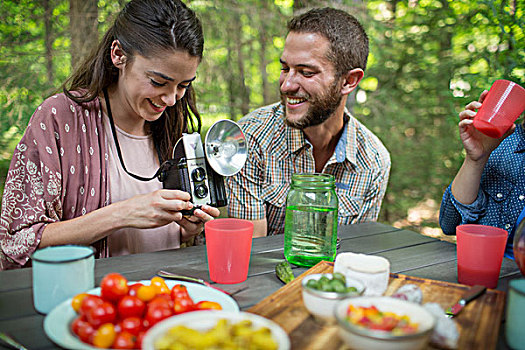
column 77, row 301
column 104, row 336
column 160, row 285
column 146, row 293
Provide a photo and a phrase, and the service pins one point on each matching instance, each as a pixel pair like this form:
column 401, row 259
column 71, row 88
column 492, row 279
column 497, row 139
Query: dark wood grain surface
column 409, row 253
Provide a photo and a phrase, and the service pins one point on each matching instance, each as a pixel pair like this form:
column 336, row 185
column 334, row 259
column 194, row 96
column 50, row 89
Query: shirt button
column 521, row 197
column 507, row 226
column 499, row 195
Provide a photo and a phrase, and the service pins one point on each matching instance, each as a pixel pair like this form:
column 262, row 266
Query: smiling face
column 146, row 86
column 309, row 90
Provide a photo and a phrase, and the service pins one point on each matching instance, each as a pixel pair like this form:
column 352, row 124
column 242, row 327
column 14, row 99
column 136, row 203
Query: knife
column 169, row 275
column 470, row 295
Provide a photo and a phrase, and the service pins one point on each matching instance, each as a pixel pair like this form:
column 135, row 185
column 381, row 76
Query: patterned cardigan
column 58, row 172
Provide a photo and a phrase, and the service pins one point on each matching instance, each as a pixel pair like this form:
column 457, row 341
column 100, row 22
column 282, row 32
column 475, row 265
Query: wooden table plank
column 447, row 271
column 364, row 229
column 383, row 242
column 28, row 331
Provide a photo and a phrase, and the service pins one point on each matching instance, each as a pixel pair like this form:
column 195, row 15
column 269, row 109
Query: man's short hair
column 348, row 39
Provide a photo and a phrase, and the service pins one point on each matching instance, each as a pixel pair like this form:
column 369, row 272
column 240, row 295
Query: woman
column 489, row 188
column 74, row 175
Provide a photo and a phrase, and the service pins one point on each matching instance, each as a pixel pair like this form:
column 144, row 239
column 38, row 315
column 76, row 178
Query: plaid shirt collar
column 346, row 147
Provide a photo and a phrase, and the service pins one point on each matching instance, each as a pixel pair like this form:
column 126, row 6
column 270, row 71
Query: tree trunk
column 48, row 40
column 245, row 95
column 263, row 62
column 83, row 25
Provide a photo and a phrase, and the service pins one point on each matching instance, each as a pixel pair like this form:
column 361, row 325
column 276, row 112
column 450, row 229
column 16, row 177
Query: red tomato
column 83, row 329
column 130, row 306
column 113, row 287
column 133, row 289
column 140, row 338
column 124, row 340
column 162, row 300
column 208, row 305
column 182, row 305
column 179, row 291
column 100, row 314
column 131, row 325
column 89, row 302
column 156, row 313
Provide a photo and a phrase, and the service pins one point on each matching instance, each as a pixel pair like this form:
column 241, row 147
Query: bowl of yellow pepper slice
column 216, row 330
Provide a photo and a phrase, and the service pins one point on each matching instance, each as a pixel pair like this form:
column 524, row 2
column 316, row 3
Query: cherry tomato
column 76, row 302
column 183, row 304
column 82, row 328
column 179, row 291
column 124, row 340
column 138, row 341
column 156, row 313
column 166, row 297
column 161, row 301
column 132, row 325
column 146, row 293
column 104, row 336
column 133, row 289
column 89, row 302
column 100, row 314
column 160, row 284
column 113, row 287
column 208, row 305
column 130, row 306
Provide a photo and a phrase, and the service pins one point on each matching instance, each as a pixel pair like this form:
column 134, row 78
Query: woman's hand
column 193, row 225
column 477, row 145
column 153, row 209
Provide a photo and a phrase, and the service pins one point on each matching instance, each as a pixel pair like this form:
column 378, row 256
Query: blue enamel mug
column 514, row 334
column 60, row 273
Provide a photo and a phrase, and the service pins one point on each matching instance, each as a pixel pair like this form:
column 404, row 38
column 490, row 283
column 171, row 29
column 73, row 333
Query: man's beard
column 321, row 108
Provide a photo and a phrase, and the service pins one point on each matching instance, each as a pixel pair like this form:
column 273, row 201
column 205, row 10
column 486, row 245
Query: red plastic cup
column 228, row 246
column 480, row 253
column 500, row 109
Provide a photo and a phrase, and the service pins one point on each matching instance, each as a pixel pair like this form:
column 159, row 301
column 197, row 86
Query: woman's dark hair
column 348, row 39
column 145, row 27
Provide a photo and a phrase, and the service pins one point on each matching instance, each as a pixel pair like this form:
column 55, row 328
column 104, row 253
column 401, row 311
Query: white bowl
column 363, row 338
column 321, row 304
column 204, row 320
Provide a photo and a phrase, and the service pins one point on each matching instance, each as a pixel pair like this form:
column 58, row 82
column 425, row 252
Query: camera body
column 190, row 171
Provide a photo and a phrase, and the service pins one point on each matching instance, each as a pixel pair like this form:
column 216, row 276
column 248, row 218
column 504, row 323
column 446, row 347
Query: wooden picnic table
column 409, row 253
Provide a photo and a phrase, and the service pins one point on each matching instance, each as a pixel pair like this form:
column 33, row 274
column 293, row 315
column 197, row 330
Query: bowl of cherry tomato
column 322, row 291
column 383, row 323
column 119, row 313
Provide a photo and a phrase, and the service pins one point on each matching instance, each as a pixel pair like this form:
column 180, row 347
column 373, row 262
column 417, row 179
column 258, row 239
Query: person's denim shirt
column 501, row 196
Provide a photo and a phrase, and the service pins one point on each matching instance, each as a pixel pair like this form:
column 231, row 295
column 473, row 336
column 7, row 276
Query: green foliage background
column 428, row 59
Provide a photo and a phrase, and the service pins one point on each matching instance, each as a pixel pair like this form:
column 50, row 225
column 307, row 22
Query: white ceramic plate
column 57, row 322
column 204, row 320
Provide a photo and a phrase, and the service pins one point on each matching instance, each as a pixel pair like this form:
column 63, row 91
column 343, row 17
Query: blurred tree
column 428, row 58
column 83, row 27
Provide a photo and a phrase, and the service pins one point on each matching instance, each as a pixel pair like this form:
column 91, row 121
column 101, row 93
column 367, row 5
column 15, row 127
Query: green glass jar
column 310, row 231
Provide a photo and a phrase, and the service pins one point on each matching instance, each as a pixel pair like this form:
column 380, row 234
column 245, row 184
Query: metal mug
column 60, row 273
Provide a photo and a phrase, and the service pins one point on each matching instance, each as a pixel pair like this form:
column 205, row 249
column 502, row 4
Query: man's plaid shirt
column 360, row 165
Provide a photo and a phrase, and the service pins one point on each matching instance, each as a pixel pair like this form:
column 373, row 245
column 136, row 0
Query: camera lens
column 198, row 174
column 201, row 191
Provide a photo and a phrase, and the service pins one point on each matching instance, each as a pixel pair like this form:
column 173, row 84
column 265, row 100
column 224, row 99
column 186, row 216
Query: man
column 310, row 131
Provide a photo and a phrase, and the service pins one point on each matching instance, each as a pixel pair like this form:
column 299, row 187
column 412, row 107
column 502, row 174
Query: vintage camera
column 200, row 170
